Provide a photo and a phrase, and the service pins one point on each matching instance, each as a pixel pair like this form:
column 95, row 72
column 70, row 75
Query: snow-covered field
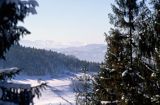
column 58, row 92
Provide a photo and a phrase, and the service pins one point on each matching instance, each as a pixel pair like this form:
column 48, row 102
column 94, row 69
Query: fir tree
column 125, row 77
column 149, row 51
column 109, row 76
column 12, row 12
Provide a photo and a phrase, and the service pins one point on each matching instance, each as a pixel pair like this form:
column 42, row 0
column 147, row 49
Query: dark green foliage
column 10, row 14
column 129, row 75
column 118, row 75
column 40, row 62
column 109, row 78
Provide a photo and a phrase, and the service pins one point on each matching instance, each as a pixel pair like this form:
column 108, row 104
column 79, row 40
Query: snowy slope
column 58, row 92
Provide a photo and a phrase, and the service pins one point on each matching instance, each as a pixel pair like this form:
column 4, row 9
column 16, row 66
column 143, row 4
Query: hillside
column 41, row 62
column 89, row 52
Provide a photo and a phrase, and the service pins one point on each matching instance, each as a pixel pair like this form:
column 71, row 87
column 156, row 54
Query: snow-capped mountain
column 49, row 44
column 89, row 52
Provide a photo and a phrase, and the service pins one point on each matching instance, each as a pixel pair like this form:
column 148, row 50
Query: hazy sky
column 70, row 21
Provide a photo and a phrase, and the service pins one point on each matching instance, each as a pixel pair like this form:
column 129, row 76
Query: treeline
column 34, row 61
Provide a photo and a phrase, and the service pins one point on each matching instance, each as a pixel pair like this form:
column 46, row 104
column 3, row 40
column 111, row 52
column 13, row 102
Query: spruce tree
column 149, row 51
column 11, row 13
column 109, row 78
column 125, row 78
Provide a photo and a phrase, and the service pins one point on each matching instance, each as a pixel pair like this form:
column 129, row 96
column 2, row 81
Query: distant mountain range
column 49, row 44
column 90, row 52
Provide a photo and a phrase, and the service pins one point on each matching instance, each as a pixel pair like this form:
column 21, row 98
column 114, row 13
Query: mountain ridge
column 91, row 52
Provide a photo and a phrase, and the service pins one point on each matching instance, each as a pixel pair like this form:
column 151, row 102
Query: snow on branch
column 36, row 90
column 8, row 73
column 109, row 102
column 14, row 85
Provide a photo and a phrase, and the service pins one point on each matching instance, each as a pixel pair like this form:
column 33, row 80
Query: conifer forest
column 128, row 75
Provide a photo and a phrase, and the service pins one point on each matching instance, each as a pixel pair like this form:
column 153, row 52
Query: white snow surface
column 59, row 91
